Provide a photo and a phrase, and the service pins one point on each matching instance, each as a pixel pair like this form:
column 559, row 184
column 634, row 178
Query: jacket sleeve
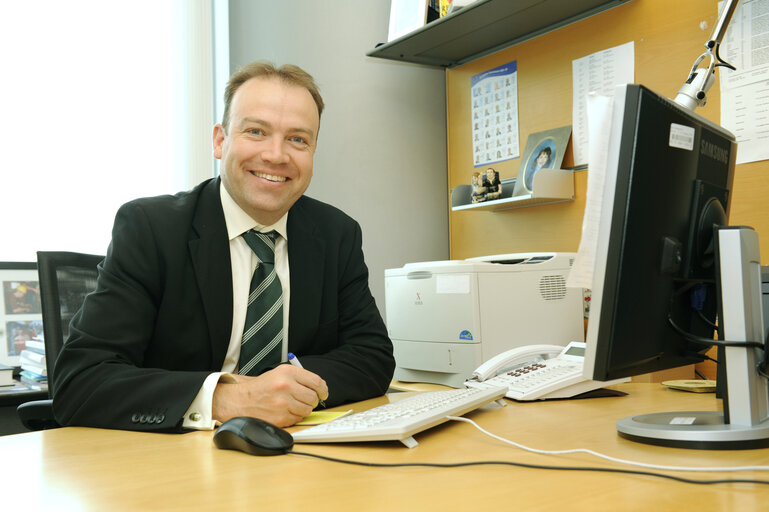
column 102, row 377
column 352, row 351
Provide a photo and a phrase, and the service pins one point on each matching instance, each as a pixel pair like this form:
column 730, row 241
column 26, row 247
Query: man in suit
column 157, row 346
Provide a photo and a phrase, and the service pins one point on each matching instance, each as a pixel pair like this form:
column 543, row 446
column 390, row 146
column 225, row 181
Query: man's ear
column 218, row 140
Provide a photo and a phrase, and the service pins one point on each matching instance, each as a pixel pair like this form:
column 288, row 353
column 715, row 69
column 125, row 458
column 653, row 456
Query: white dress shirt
column 243, row 261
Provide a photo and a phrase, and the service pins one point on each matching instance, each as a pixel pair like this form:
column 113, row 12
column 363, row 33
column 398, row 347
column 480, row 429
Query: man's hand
column 281, row 396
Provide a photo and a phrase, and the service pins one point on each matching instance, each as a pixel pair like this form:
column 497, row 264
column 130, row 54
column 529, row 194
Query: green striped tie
column 262, row 342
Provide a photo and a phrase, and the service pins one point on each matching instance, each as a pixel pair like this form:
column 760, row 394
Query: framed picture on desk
column 21, row 318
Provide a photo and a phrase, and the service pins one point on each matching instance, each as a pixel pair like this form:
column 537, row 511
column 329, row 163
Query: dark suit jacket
column 160, row 318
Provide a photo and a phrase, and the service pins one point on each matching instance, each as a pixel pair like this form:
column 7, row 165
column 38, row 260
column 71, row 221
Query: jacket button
column 160, row 418
column 135, row 418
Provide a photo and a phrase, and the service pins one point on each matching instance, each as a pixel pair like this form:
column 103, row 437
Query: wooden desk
column 92, row 469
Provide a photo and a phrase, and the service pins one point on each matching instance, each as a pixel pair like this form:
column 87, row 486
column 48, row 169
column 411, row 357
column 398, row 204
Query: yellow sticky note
column 318, row 417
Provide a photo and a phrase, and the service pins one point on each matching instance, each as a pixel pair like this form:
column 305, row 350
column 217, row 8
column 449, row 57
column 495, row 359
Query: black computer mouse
column 254, row 436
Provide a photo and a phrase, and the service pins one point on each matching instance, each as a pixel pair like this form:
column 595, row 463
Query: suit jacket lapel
column 306, row 257
column 210, row 254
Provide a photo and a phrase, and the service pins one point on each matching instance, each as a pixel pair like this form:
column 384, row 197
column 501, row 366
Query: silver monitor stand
column 747, row 390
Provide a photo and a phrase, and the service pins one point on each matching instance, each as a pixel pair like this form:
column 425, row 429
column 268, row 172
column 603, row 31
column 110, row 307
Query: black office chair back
column 65, row 279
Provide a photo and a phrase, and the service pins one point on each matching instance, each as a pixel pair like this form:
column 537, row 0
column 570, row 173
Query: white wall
column 382, row 149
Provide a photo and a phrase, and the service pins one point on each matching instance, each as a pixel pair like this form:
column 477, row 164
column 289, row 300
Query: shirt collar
column 238, row 221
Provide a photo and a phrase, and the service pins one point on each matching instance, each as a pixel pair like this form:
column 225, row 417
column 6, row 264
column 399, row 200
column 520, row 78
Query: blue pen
column 295, row 361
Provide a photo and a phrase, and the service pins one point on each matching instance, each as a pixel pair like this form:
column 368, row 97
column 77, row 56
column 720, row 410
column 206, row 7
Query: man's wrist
column 199, row 415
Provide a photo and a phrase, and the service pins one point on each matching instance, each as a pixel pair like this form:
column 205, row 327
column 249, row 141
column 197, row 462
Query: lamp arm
column 693, row 93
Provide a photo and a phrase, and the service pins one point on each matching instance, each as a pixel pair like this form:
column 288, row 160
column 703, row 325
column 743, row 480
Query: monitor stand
column 747, row 399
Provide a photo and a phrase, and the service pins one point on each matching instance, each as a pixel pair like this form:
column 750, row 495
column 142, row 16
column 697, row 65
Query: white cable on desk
column 607, row 457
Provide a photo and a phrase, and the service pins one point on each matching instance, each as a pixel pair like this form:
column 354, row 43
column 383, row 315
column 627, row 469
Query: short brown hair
column 288, row 73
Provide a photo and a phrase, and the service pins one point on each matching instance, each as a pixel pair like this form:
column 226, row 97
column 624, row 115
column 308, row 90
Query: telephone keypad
column 536, row 376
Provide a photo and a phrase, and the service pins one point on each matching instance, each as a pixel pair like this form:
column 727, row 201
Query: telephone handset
column 538, row 372
column 509, row 359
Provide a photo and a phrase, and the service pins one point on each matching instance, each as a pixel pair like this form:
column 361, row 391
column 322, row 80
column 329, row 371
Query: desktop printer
column 445, row 318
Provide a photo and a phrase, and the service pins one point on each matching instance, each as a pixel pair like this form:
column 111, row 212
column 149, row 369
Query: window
column 100, row 102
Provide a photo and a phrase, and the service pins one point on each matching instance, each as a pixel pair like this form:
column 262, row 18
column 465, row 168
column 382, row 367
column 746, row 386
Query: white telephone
column 538, row 372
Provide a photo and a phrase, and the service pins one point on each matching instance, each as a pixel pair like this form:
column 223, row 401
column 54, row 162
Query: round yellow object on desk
column 695, row 386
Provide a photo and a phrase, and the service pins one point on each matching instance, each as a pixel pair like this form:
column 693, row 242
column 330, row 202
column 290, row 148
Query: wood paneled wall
column 668, row 36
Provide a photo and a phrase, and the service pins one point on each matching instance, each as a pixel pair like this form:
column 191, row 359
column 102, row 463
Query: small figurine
column 479, row 191
column 492, row 185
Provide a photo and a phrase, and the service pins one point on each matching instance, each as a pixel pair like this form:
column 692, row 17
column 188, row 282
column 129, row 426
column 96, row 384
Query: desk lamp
column 694, row 91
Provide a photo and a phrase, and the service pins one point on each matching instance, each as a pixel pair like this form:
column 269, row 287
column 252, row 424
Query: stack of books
column 32, row 361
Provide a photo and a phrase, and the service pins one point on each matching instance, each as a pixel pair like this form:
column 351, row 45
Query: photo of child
column 544, row 150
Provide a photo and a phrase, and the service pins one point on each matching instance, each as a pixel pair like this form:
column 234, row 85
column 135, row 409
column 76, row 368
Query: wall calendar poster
column 495, row 115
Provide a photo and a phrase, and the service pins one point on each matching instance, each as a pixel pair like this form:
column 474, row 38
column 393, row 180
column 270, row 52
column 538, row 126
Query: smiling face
column 542, row 159
column 267, row 150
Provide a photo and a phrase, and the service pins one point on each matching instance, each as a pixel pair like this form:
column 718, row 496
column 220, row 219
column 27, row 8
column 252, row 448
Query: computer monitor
column 661, row 270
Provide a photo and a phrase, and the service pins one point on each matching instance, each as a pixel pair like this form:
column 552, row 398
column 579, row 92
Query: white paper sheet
column 599, row 116
column 745, row 92
column 600, row 73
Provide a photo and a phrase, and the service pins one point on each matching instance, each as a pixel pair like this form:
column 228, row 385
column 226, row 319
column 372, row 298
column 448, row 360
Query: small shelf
column 550, row 186
column 484, row 27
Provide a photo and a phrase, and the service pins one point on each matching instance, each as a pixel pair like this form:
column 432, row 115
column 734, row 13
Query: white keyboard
column 398, row 421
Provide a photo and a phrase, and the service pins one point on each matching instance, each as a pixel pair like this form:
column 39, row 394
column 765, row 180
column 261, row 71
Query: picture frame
column 21, row 316
column 544, row 150
column 406, row 16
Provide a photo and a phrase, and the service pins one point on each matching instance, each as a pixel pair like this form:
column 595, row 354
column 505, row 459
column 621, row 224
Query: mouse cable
column 610, row 458
column 529, row 466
